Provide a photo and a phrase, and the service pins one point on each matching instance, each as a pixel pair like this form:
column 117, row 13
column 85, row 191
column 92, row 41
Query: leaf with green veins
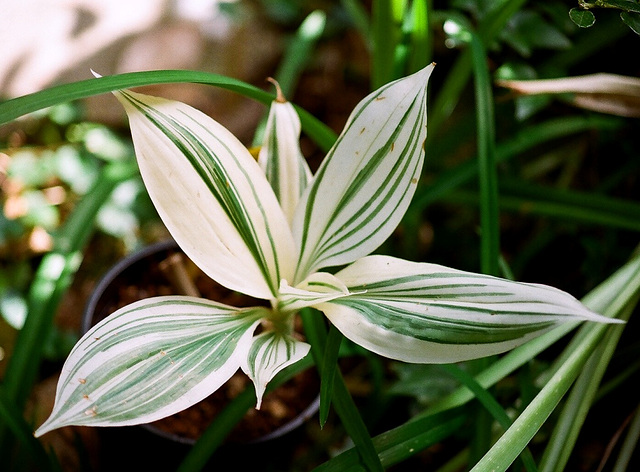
column 151, row 359
column 280, row 157
column 270, row 353
column 368, row 178
column 425, row 313
column 218, row 195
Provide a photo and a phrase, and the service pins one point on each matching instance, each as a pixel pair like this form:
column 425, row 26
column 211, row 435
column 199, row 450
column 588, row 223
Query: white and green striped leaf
column 368, row 178
column 270, row 353
column 319, row 287
column 280, row 157
column 211, row 194
column 151, row 359
column 426, row 313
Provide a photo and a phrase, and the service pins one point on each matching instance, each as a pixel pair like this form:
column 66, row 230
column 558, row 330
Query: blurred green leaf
column 424, row 382
column 582, row 18
column 528, row 30
column 632, row 20
column 39, row 212
column 75, row 169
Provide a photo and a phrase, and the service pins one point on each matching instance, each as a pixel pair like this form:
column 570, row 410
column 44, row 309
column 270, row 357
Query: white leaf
column 319, row 287
column 280, row 157
column 211, row 194
column 270, row 353
column 151, row 359
column 425, row 313
column 368, row 178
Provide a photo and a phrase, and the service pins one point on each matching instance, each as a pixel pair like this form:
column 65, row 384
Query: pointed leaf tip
column 219, row 208
column 270, row 353
column 128, row 370
column 365, row 184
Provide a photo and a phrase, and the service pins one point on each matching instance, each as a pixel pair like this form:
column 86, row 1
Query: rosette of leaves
column 273, row 231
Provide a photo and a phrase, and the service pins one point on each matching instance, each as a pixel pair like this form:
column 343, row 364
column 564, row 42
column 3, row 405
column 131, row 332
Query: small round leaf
column 582, row 18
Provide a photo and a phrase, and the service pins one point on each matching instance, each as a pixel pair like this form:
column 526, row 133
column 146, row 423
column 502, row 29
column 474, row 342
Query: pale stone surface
column 47, row 42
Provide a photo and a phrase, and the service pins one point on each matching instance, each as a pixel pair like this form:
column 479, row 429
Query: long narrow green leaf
column 527, row 424
column 459, row 73
column 296, row 57
column 329, row 368
column 488, row 182
column 565, row 205
column 384, row 33
column 576, row 408
column 398, row 444
column 300, row 51
column 513, row 442
column 16, row 107
column 533, row 136
column 489, row 402
column 630, row 444
column 420, row 34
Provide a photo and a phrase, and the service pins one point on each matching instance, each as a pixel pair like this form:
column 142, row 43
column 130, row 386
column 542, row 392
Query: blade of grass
column 629, row 445
column 487, row 197
column 328, row 373
column 17, row 107
column 299, row 51
column 488, row 176
column 295, row 59
column 398, row 444
column 515, row 439
column 10, row 416
column 608, row 297
column 489, row 402
column 52, row 279
column 420, row 36
column 565, row 205
column 405, row 438
column 360, row 19
column 579, row 401
column 525, row 140
column 459, row 73
column 384, row 33
column 342, row 401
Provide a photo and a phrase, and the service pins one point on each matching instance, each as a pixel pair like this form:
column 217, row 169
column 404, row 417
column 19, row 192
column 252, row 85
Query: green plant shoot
column 273, row 231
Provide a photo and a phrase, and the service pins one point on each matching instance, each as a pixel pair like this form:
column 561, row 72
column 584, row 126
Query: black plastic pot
column 141, row 270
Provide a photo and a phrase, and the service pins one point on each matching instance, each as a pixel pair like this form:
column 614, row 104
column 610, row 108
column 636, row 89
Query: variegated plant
column 268, row 229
